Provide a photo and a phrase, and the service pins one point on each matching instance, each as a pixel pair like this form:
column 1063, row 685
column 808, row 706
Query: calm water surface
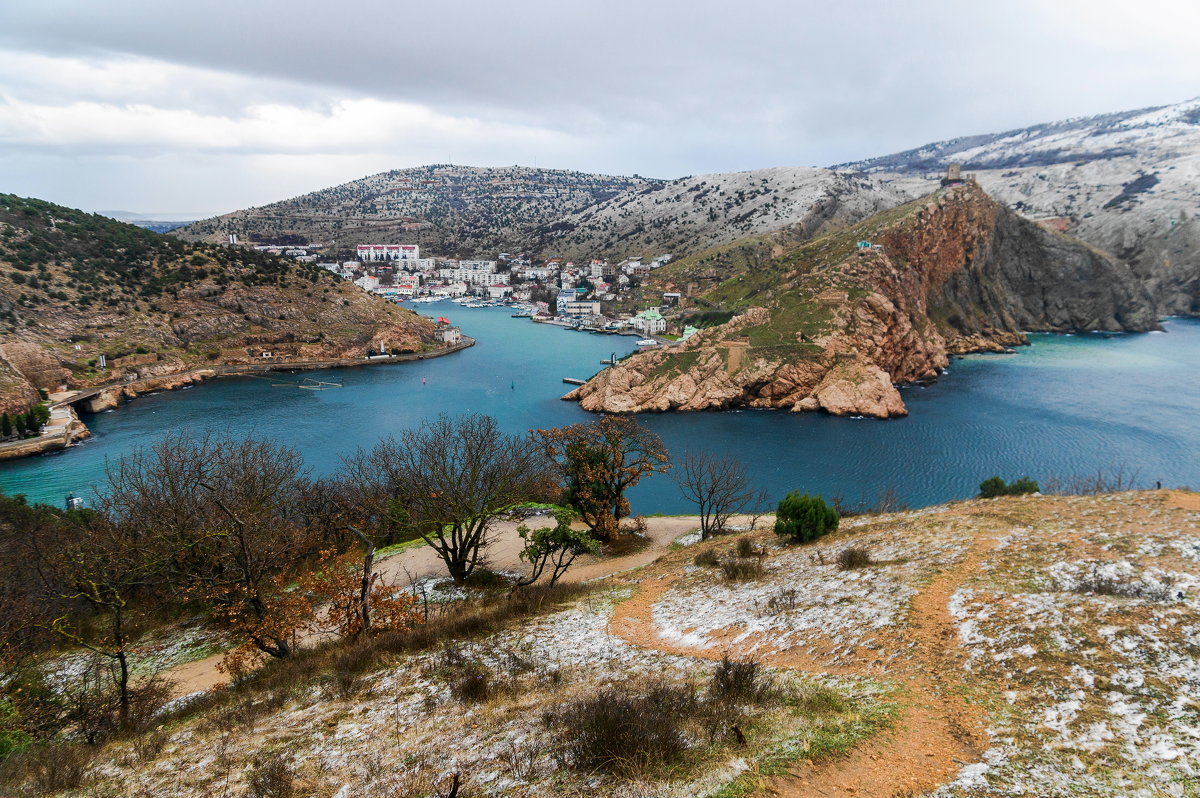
column 1067, row 405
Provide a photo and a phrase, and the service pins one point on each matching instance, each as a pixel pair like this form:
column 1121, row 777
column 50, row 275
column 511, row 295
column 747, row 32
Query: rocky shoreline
column 108, row 397
column 836, row 323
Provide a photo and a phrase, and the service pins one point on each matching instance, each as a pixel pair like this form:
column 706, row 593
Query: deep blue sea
column 1067, row 405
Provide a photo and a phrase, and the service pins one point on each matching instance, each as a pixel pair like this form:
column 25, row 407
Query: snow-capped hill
column 694, row 213
column 1126, row 182
column 1165, row 129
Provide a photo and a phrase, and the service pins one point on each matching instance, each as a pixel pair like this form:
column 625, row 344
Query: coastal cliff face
column 825, row 326
column 74, row 286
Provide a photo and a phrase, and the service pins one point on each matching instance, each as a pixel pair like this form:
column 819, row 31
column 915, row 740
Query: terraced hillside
column 1041, row 645
column 448, row 210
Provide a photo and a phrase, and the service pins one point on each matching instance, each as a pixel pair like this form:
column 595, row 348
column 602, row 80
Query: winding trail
column 936, row 732
column 503, row 554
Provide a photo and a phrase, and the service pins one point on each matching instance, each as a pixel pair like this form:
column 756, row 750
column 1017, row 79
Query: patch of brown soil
column 1183, row 500
column 937, row 730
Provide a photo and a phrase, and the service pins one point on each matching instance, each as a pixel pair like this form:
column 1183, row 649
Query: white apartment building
column 367, row 252
column 539, row 273
column 474, row 276
column 582, row 308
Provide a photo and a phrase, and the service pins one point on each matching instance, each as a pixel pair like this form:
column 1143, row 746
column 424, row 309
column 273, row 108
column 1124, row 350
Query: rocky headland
column 830, row 324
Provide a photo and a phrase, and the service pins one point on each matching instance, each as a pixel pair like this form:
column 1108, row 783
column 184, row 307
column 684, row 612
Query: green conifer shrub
column 804, row 518
column 992, row 487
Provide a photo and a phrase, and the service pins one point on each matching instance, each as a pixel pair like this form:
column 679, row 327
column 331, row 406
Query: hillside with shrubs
column 448, row 210
column 460, row 611
column 75, row 286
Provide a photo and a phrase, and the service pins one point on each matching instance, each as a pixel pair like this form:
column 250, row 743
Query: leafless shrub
column 886, row 500
column 147, row 747
column 1119, row 478
column 47, row 769
column 1098, row 584
column 628, row 733
column 853, row 557
column 521, row 760
column 707, row 559
column 271, row 776
column 746, row 548
column 470, row 680
column 783, row 601
column 740, row 681
column 742, row 569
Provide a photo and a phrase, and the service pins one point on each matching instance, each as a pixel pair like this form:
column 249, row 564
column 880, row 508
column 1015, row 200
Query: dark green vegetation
column 24, row 425
column 61, row 256
column 996, row 486
column 77, row 286
column 804, row 518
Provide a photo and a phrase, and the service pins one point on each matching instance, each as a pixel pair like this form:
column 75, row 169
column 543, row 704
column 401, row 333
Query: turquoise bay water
column 1068, row 405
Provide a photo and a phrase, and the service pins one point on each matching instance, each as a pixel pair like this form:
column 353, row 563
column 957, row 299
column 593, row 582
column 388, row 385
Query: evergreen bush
column 804, row 518
column 992, row 487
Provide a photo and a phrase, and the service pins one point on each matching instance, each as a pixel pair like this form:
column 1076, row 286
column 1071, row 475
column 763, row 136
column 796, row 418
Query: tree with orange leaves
column 598, row 462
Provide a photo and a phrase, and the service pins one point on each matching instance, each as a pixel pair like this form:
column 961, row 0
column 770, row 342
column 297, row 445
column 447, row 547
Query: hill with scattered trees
column 695, row 213
column 75, row 286
column 447, row 210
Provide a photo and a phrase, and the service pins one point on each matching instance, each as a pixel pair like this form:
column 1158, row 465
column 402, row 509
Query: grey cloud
column 659, row 87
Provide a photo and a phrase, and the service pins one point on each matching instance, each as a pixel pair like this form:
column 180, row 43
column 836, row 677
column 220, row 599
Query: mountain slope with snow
column 1126, row 182
column 694, row 213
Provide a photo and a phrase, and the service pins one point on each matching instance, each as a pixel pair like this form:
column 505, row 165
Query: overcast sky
column 208, row 106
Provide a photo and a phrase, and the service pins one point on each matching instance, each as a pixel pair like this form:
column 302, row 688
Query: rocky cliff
column 1125, row 182
column 75, row 286
column 825, row 325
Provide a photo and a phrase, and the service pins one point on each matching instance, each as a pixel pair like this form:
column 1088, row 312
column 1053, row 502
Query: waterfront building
column 565, row 296
column 649, row 322
column 579, row 307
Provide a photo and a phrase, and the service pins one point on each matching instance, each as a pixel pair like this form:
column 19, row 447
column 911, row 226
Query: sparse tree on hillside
column 223, row 517
column 555, row 547
column 598, row 462
column 102, row 567
column 454, row 476
column 718, row 486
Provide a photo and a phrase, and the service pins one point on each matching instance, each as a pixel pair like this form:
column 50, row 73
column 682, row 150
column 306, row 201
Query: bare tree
column 223, row 517
column 453, row 477
column 718, row 486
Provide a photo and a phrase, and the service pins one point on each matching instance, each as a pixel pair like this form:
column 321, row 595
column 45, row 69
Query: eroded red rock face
column 957, row 274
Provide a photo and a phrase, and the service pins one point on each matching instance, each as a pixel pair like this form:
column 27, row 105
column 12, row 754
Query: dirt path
column 937, row 731
column 503, row 554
